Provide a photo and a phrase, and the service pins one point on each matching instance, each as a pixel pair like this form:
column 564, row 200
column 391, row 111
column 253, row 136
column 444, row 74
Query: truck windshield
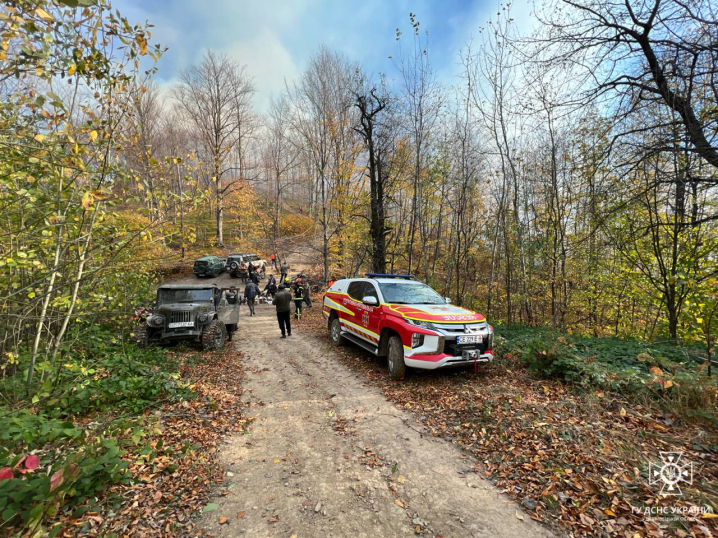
column 410, row 293
column 184, row 296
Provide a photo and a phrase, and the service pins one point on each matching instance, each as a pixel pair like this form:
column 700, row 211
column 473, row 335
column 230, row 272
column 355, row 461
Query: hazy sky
column 275, row 39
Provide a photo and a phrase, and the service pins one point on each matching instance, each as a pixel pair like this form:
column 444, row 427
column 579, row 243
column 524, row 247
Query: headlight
column 203, row 317
column 156, row 320
column 422, row 324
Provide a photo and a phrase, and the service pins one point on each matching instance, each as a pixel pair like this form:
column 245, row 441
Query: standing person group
column 297, row 292
column 253, row 273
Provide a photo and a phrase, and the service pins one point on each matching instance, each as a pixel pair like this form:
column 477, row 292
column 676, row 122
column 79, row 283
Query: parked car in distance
column 233, row 263
column 236, row 259
column 205, row 314
column 209, row 266
column 407, row 322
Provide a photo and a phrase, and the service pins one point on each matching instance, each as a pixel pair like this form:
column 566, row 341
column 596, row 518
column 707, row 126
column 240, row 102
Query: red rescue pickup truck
column 406, row 321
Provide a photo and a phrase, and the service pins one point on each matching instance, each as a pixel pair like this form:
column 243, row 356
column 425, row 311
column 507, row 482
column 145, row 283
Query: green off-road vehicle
column 205, row 314
column 210, row 266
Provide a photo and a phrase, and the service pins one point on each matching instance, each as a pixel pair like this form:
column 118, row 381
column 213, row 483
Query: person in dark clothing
column 271, row 287
column 282, row 301
column 284, row 270
column 254, row 277
column 250, row 292
column 298, row 298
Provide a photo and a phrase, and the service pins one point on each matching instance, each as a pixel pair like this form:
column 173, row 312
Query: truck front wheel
column 335, row 331
column 213, row 336
column 395, row 359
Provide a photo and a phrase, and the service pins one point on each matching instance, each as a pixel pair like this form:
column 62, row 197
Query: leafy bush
column 123, row 380
column 76, row 434
column 64, row 473
column 660, row 370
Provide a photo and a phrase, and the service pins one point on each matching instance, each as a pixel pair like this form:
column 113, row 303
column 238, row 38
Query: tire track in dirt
column 327, row 455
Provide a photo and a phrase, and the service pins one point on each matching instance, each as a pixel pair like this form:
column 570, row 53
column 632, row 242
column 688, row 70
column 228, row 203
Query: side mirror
column 371, row 301
column 448, row 300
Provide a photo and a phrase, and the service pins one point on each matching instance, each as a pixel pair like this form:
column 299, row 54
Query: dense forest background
column 568, row 178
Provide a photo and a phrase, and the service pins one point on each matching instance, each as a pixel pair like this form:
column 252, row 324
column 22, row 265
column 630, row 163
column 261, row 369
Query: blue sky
column 275, row 38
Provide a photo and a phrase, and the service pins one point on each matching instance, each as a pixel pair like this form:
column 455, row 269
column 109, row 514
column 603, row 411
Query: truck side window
column 355, row 290
column 370, row 291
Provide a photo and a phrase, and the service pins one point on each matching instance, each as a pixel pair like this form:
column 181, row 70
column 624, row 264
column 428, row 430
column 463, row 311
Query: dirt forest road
column 327, row 455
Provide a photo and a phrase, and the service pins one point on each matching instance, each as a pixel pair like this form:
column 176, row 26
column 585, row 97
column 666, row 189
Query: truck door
column 372, row 314
column 359, row 322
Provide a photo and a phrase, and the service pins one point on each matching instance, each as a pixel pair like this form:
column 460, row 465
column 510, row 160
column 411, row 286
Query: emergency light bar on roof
column 382, row 275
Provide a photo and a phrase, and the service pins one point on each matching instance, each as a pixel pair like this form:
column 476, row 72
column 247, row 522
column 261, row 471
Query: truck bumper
column 442, row 360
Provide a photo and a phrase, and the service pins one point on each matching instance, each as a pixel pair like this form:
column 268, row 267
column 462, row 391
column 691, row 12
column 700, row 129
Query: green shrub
column 72, row 466
column 662, row 371
column 82, row 422
column 123, row 380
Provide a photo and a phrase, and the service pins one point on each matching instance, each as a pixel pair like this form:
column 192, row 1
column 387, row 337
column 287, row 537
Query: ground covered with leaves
column 135, row 457
column 575, row 456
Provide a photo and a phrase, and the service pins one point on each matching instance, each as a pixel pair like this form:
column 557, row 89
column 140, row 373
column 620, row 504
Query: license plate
column 178, row 324
column 469, row 339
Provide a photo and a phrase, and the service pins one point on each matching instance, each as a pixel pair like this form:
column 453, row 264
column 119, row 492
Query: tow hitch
column 473, row 355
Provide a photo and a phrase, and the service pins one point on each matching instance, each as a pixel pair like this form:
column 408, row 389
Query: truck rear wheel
column 213, row 336
column 395, row 359
column 335, row 331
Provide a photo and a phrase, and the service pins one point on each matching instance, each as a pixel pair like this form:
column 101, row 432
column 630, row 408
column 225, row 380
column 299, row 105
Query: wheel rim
column 335, row 331
column 218, row 339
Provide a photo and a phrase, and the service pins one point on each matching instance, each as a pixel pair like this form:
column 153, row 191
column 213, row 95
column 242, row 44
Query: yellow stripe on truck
column 336, row 305
column 364, row 330
column 360, row 328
